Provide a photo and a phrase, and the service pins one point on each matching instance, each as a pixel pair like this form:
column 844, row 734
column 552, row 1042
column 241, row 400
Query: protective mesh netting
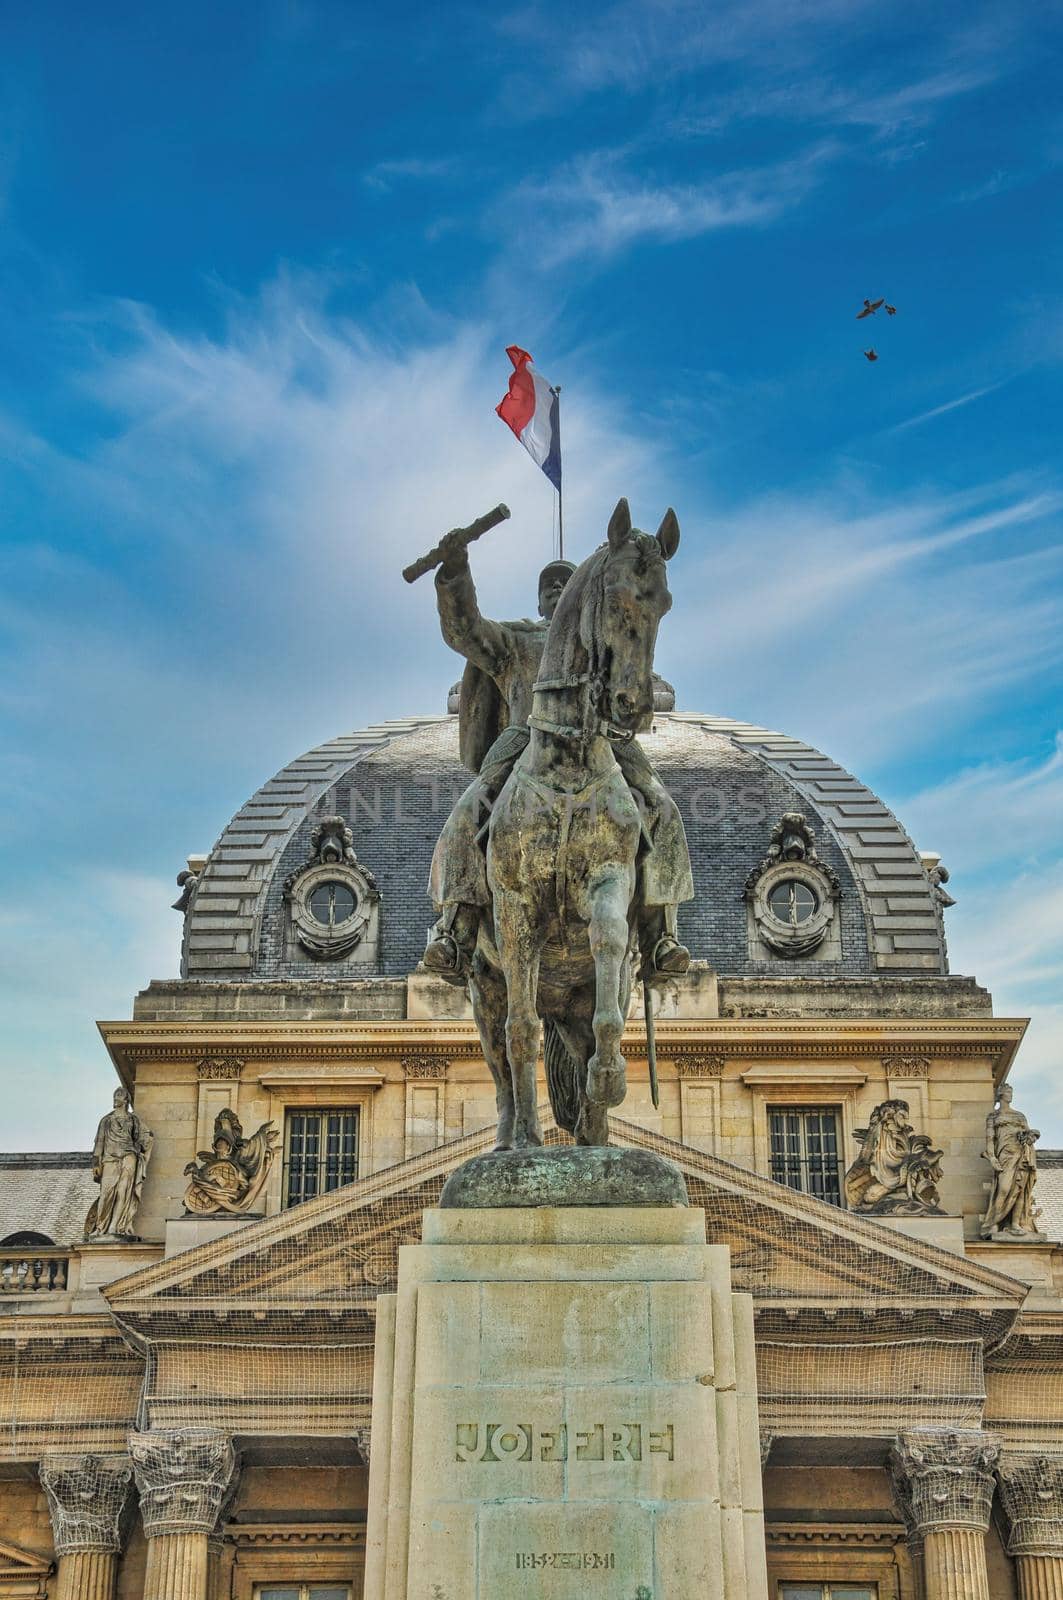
column 859, row 1328
column 86, row 1496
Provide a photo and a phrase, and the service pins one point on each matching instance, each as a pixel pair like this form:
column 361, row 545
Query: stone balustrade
column 33, row 1269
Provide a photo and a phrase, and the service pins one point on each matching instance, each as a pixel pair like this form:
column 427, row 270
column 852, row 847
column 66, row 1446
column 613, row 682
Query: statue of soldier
column 496, row 700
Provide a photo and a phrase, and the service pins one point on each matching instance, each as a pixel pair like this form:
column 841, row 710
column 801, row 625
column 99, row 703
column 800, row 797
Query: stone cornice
column 834, row 1535
column 797, row 1039
column 348, row 1536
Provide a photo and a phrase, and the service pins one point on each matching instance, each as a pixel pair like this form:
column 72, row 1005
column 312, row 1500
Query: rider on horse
column 496, row 700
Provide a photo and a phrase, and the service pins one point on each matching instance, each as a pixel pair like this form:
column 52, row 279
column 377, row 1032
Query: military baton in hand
column 436, row 557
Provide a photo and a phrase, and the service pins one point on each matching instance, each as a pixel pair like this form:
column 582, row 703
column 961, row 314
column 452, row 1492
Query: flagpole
column 560, row 497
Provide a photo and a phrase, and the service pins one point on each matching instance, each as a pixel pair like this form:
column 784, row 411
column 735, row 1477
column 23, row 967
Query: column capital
column 86, row 1497
column 182, row 1475
column 1031, row 1492
column 943, row 1478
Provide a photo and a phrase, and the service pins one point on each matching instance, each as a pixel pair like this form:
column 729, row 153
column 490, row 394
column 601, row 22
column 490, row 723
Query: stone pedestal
column 185, row 1233
column 565, row 1405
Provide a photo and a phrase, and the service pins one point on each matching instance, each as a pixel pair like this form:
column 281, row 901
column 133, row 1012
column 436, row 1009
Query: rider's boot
column 448, row 954
column 663, row 957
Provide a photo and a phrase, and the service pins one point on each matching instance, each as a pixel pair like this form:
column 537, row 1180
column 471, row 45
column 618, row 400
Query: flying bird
column 872, row 354
column 870, row 307
column 891, row 311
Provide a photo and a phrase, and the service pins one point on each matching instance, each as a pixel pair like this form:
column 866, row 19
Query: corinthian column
column 1031, row 1492
column 944, row 1479
column 182, row 1477
column 86, row 1495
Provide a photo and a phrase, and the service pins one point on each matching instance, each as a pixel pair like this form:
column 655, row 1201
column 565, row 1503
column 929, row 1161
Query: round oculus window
column 331, row 903
column 792, row 902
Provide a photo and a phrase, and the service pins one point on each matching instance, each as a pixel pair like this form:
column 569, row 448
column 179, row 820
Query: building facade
column 188, row 1412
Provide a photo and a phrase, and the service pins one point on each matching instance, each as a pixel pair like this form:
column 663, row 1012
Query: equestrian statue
column 563, row 864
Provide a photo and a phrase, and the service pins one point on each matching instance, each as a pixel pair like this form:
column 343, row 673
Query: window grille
column 320, row 1153
column 804, row 1150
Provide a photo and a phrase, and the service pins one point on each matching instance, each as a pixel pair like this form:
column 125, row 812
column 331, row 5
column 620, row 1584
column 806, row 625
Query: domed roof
column 395, row 783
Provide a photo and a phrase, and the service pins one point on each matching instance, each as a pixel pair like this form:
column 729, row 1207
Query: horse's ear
column 668, row 534
column 620, row 525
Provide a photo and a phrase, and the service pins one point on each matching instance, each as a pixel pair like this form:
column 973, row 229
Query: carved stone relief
column 792, row 894
column 944, row 1478
column 424, row 1066
column 906, row 1066
column 182, row 1476
column 710, row 1066
column 1031, row 1492
column 331, row 898
column 219, row 1068
column 897, row 1172
column 86, row 1496
column 230, row 1176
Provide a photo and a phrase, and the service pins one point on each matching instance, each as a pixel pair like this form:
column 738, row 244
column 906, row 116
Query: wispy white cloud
column 996, row 811
column 385, row 175
column 633, row 43
column 928, row 605
column 596, row 206
column 949, row 405
column 886, row 110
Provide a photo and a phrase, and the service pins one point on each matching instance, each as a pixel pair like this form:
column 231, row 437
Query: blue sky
column 258, row 266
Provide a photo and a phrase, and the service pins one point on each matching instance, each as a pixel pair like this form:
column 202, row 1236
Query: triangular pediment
column 326, row 1261
column 15, row 1562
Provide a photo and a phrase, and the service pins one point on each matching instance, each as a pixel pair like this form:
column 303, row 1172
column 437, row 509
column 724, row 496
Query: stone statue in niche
column 230, row 1177
column 896, row 1172
column 1009, row 1149
column 120, row 1158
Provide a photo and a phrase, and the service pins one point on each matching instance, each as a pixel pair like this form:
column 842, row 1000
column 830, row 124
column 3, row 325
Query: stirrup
column 668, row 959
column 445, row 959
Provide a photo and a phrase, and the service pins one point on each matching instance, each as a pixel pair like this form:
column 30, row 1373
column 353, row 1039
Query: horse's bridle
column 566, row 730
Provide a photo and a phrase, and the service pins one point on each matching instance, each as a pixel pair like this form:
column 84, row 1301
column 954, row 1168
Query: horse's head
column 633, row 600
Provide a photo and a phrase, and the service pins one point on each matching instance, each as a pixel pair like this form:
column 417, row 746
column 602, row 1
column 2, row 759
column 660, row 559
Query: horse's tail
column 562, row 1078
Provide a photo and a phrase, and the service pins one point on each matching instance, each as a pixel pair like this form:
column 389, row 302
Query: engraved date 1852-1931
column 573, row 1560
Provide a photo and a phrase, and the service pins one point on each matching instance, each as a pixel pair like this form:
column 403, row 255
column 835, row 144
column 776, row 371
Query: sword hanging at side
column 651, row 1043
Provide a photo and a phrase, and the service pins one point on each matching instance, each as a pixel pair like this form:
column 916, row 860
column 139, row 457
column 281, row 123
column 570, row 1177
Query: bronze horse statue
column 562, row 845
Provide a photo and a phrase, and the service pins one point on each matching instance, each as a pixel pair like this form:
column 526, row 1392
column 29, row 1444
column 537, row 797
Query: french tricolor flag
column 532, row 410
